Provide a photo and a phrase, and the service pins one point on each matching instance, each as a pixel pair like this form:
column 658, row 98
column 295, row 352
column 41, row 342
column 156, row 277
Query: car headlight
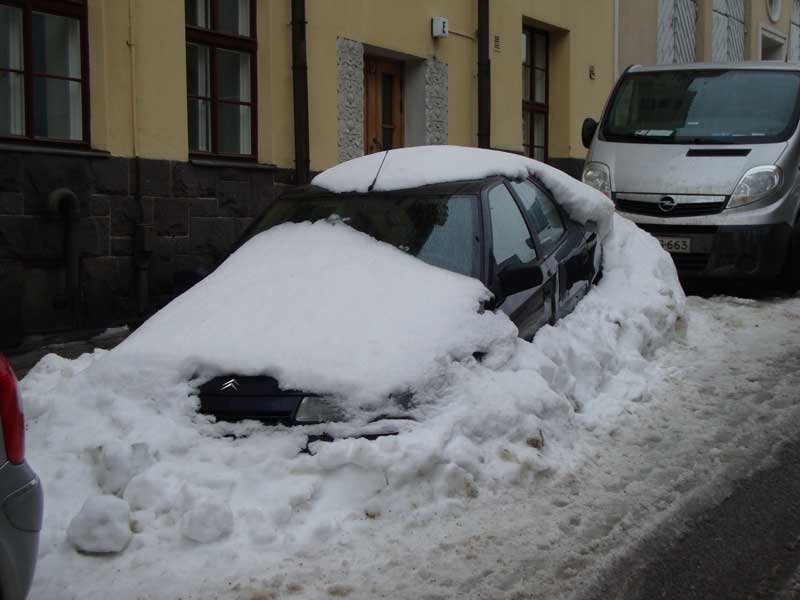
column 597, row 176
column 318, row 409
column 756, row 184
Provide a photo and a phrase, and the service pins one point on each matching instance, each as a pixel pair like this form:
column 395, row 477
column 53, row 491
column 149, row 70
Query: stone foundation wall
column 139, row 226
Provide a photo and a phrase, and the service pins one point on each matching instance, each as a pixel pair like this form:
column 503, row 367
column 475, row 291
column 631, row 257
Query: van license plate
column 676, row 245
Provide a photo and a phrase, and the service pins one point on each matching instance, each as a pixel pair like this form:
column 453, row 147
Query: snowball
column 207, row 521
column 102, row 526
column 117, row 463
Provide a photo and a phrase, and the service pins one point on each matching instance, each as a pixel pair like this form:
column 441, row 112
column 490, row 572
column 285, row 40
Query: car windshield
column 440, row 230
column 704, row 107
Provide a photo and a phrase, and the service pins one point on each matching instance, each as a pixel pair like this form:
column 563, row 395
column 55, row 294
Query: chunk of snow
column 207, row 521
column 116, row 464
column 425, row 165
column 102, row 526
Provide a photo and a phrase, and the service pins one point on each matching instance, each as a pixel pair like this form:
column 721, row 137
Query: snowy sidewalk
column 656, row 442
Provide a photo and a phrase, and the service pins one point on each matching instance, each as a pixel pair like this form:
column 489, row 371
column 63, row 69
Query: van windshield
column 704, row 107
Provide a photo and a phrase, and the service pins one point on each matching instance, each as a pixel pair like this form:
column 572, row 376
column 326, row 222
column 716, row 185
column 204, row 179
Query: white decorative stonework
column 350, row 70
column 676, row 31
column 435, row 102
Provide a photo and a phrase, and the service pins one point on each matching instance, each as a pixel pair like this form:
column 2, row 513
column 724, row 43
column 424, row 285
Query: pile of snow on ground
column 125, row 422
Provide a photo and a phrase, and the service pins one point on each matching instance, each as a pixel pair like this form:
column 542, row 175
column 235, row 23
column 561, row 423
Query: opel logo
column 231, row 384
column 667, row 204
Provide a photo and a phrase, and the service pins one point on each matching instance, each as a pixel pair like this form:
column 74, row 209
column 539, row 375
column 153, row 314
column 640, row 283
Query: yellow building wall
column 145, row 115
column 152, row 121
column 403, row 27
column 756, row 17
column 581, row 35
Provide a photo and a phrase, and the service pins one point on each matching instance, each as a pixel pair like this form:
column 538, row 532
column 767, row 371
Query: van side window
column 542, row 213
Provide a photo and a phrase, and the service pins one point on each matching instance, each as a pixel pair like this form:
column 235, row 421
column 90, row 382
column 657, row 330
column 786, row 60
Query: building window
column 383, row 104
column 535, row 72
column 44, row 87
column 221, row 76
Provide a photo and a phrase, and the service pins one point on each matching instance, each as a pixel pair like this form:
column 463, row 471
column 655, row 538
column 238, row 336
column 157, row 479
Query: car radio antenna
column 372, row 185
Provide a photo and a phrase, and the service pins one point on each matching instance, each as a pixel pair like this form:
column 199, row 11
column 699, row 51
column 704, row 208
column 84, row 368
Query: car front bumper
column 20, row 522
column 728, row 252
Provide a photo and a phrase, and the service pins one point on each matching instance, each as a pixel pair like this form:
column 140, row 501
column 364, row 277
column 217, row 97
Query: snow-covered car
column 509, row 234
column 20, row 495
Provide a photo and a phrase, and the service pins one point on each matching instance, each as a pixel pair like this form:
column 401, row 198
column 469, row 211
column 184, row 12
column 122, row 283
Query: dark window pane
column 233, row 75
column 526, row 59
column 526, row 83
column 10, row 37
column 197, row 13
column 233, row 16
column 540, row 51
column 56, row 45
column 197, row 70
column 57, row 109
column 387, row 97
column 234, row 129
column 540, row 86
column 199, row 125
column 511, row 243
column 539, row 129
column 542, row 213
column 439, row 230
column 12, row 104
column 526, row 128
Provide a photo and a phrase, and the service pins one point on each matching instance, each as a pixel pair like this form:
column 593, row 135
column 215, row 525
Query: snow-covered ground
column 660, row 437
column 521, row 474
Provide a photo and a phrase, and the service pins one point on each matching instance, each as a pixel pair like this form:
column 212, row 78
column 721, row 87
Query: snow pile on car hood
column 424, row 165
column 219, row 510
column 323, row 309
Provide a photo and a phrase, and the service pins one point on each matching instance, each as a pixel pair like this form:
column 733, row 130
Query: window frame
column 215, row 40
column 531, row 107
column 565, row 221
column 77, row 9
column 491, row 270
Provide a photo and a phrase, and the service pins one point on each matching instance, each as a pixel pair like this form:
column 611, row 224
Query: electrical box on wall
column 439, row 27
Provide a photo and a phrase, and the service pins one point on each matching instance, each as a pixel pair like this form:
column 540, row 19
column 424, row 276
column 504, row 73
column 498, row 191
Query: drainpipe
column 142, row 240
column 300, row 89
column 64, row 202
column 484, row 76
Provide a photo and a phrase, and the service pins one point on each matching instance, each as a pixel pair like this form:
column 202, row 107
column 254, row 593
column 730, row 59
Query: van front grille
column 691, row 209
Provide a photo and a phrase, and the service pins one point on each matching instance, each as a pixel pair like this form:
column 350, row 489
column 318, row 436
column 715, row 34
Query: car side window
column 511, row 240
column 543, row 214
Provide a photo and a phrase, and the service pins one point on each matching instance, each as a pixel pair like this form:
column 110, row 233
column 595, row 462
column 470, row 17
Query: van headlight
column 318, row 409
column 598, row 176
column 756, row 184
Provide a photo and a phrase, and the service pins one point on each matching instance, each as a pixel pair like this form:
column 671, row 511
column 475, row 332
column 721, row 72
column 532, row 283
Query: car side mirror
column 519, row 278
column 588, row 130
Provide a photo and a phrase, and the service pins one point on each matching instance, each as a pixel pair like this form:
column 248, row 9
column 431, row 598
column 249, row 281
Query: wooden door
column 383, row 104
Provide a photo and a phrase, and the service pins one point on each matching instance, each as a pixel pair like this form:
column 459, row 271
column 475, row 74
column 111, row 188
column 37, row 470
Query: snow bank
column 425, row 165
column 322, row 308
column 234, row 501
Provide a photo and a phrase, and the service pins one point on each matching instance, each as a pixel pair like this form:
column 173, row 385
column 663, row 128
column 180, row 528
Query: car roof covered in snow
column 734, row 66
column 445, row 188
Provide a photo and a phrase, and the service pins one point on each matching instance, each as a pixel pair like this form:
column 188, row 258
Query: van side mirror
column 588, row 130
column 518, row 278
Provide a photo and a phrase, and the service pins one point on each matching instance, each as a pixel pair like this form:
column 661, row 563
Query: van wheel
column 789, row 279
